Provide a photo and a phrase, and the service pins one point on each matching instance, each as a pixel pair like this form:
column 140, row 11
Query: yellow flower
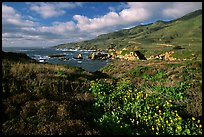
column 175, row 111
column 157, row 133
column 200, row 126
column 179, row 127
column 153, row 128
column 171, row 121
column 193, row 118
column 137, row 122
column 157, row 107
column 159, row 111
column 157, row 129
column 170, row 100
column 198, row 121
column 179, row 118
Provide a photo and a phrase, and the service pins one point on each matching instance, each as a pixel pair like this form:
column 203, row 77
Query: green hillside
column 185, row 32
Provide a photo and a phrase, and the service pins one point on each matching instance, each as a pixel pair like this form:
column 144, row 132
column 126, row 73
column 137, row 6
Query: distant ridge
column 176, row 32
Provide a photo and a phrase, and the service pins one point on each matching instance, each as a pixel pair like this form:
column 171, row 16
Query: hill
column 185, row 32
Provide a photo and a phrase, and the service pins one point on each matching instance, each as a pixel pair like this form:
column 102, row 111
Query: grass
column 39, row 99
column 144, row 97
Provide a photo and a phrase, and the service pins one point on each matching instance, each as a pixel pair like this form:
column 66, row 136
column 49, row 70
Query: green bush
column 124, row 109
column 124, row 52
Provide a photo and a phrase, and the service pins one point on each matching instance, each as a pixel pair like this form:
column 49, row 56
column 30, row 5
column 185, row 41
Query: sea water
column 42, row 55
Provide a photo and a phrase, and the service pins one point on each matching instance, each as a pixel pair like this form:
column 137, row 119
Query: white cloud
column 59, row 27
column 179, row 9
column 53, row 9
column 134, row 12
column 11, row 17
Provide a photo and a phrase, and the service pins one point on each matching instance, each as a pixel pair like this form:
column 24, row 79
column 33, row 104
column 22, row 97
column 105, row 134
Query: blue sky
column 42, row 24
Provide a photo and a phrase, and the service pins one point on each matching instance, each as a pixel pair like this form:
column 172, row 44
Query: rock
column 63, row 58
column 92, row 56
column 98, row 55
column 79, row 56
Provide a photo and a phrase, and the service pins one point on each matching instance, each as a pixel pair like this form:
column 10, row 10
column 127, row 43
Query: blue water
column 41, row 54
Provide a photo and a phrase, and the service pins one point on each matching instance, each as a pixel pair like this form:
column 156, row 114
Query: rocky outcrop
column 79, row 56
column 99, row 56
column 164, row 56
column 63, row 58
column 140, row 55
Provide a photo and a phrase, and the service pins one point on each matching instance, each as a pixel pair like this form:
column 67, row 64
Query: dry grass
column 39, row 100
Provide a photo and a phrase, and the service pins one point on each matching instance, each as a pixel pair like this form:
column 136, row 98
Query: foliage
column 124, row 52
column 139, row 70
column 125, row 109
column 61, row 72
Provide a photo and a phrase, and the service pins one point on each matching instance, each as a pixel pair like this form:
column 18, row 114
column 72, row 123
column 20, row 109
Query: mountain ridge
column 185, row 31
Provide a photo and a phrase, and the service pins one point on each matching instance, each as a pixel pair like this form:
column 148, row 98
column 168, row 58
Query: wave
column 82, row 50
column 25, row 50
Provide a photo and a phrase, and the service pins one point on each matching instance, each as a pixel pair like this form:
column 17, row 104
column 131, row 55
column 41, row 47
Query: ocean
column 41, row 55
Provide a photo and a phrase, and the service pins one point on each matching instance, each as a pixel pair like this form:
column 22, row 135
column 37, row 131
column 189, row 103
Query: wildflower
column 159, row 111
column 153, row 128
column 200, row 126
column 198, row 121
column 167, row 121
column 179, row 127
column 170, row 100
column 193, row 118
column 179, row 118
column 157, row 133
column 157, row 107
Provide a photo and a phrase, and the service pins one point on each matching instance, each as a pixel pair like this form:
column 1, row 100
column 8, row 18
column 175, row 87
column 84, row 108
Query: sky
column 45, row 24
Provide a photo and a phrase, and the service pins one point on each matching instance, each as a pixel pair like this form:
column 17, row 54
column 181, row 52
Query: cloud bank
column 18, row 28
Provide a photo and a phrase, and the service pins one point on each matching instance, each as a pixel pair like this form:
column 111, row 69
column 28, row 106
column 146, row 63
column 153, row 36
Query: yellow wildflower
column 198, row 121
column 153, row 128
column 179, row 127
column 157, row 107
column 179, row 118
column 200, row 126
column 159, row 111
column 193, row 118
column 170, row 100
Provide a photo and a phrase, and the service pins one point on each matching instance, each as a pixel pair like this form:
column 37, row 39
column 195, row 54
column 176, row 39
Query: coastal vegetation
column 158, row 95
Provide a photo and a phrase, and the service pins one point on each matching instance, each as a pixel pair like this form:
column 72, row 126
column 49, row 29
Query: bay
column 42, row 54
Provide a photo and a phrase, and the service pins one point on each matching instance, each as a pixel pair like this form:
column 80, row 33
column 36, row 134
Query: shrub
column 124, row 52
column 124, row 109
